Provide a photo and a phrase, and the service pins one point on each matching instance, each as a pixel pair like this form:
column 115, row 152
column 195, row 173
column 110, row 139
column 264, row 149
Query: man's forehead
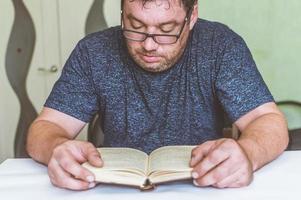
column 166, row 4
column 155, row 10
column 154, row 13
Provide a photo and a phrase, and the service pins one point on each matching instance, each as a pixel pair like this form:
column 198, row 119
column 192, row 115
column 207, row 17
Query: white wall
column 272, row 29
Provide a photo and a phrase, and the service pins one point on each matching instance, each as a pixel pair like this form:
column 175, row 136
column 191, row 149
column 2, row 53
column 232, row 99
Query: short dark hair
column 187, row 3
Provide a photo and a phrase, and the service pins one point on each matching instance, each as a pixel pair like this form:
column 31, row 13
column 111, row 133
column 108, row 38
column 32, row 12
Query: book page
column 120, row 177
column 122, row 160
column 170, row 159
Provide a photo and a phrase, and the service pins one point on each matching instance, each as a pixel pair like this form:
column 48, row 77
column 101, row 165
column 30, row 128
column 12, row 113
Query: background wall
column 271, row 29
column 59, row 24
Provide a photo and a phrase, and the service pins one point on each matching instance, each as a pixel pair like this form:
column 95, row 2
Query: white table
column 26, row 179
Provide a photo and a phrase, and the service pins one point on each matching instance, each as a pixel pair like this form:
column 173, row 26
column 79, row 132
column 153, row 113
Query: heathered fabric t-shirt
column 185, row 105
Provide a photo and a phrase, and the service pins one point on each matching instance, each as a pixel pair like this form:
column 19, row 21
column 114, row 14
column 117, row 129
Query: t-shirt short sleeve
column 74, row 92
column 239, row 85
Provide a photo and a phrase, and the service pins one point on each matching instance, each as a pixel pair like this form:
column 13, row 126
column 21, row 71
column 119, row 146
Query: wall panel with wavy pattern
column 96, row 20
column 38, row 34
column 9, row 105
column 17, row 62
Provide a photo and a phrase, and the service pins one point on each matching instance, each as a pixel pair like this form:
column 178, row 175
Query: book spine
column 147, row 185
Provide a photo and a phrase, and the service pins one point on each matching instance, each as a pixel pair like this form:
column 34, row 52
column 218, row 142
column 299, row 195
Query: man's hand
column 222, row 164
column 64, row 167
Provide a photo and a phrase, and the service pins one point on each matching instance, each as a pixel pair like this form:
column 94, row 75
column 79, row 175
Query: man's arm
column 50, row 141
column 228, row 163
column 49, row 130
column 264, row 134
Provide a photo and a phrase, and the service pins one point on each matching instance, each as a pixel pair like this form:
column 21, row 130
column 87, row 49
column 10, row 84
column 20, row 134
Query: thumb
column 201, row 151
column 93, row 157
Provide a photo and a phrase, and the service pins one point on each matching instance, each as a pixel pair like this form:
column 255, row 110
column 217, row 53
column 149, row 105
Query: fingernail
column 195, row 183
column 90, row 179
column 91, row 185
column 195, row 175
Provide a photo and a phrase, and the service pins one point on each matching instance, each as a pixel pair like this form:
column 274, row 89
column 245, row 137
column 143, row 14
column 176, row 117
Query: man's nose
column 149, row 44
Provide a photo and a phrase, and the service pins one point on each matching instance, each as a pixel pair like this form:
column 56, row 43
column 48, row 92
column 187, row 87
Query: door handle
column 52, row 69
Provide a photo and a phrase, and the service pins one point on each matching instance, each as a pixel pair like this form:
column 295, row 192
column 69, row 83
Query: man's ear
column 194, row 16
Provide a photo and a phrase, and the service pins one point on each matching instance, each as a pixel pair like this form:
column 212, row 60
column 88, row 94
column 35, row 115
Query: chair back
column 292, row 112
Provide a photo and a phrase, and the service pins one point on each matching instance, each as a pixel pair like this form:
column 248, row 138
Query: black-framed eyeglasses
column 158, row 38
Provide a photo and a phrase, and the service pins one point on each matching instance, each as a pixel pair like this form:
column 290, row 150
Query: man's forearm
column 43, row 137
column 264, row 139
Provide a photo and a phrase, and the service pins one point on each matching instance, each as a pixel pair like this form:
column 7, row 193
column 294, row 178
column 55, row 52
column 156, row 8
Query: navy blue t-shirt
column 184, row 105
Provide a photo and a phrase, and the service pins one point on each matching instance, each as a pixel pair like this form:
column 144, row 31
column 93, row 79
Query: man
column 164, row 77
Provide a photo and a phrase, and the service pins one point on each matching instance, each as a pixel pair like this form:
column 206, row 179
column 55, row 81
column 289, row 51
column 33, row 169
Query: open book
column 132, row 167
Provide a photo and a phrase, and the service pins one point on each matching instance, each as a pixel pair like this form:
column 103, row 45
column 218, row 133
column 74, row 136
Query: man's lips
column 150, row 59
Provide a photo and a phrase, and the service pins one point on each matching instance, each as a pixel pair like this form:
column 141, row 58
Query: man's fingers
column 221, row 165
column 75, row 169
column 237, row 179
column 212, row 160
column 198, row 153
column 217, row 174
column 61, row 178
column 227, row 181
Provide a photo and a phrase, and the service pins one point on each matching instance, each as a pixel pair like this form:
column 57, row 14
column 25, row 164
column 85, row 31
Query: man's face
column 156, row 17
